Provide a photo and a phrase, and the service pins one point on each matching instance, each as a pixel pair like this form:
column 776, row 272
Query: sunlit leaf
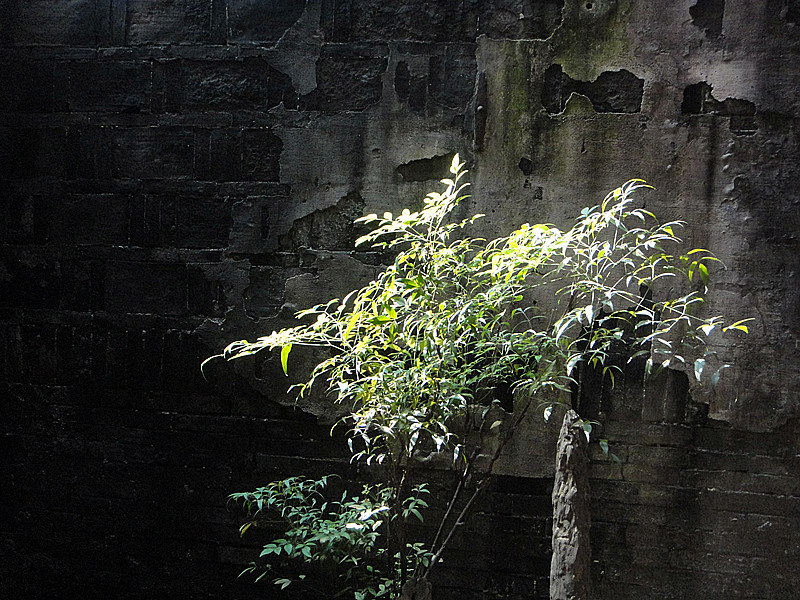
column 285, row 358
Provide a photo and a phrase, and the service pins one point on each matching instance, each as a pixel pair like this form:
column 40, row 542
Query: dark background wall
column 179, row 174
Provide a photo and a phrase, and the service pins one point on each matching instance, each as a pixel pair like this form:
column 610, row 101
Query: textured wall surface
column 177, row 174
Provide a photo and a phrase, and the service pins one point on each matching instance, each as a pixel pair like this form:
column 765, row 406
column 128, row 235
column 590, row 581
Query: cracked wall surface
column 178, row 174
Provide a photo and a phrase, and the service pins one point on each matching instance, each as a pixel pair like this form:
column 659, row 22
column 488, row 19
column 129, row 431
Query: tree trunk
column 570, row 568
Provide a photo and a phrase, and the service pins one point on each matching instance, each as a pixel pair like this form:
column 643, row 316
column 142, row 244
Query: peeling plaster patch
column 425, row 169
column 409, row 87
column 331, row 228
column 335, row 275
column 445, row 80
column 299, row 48
column 708, row 15
column 698, row 100
column 612, row 92
column 526, row 166
column 481, row 113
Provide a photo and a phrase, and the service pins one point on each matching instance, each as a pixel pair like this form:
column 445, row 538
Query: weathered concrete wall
column 178, row 174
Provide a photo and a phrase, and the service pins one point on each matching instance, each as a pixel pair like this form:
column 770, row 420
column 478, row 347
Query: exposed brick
column 146, row 287
column 109, row 86
column 81, row 285
column 153, row 153
column 175, row 22
column 31, row 353
column 261, row 154
column 661, row 435
column 225, row 155
column 612, row 91
column 89, row 153
column 452, row 78
column 448, row 21
column 741, row 481
column 249, row 84
column 89, row 220
column 750, row 503
column 263, row 21
column 30, row 283
column 50, row 22
column 738, row 461
column 346, row 81
column 28, row 153
column 20, row 221
column 27, row 87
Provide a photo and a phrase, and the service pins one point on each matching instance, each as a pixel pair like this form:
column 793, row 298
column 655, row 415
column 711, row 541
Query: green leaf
column 739, row 325
column 284, row 583
column 699, row 366
column 285, row 358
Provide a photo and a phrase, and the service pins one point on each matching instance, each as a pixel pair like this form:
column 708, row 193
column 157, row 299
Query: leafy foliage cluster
column 344, row 533
column 418, row 354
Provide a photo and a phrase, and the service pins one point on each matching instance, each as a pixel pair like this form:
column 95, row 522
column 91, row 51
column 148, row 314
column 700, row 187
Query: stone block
column 452, row 78
column 49, row 23
column 81, row 285
column 89, row 153
column 31, row 353
column 252, row 225
column 261, row 155
column 446, row 21
column 30, row 284
column 145, row 221
column 650, row 474
column 750, row 503
column 17, row 215
column 249, row 84
column 153, row 153
column 347, row 80
column 74, row 355
column 515, row 20
column 262, row 21
column 358, row 20
column 265, row 290
column 89, row 220
column 27, row 87
column 183, row 354
column 206, row 289
column 173, row 22
column 659, row 456
column 145, row 287
column 707, row 460
column 199, row 223
column 167, row 80
column 26, row 153
column 225, row 155
column 109, row 86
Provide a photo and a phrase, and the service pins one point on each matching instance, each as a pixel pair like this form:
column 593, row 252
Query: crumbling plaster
column 735, row 190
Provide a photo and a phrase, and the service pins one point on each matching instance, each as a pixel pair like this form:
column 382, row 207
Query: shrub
column 418, row 354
